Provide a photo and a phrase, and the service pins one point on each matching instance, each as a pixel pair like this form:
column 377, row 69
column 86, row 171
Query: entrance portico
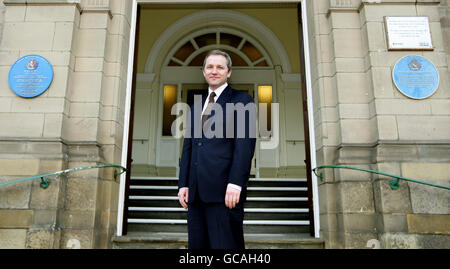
column 171, row 63
column 342, row 97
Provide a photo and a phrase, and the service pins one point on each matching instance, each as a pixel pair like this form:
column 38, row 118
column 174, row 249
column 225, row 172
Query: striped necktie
column 209, row 107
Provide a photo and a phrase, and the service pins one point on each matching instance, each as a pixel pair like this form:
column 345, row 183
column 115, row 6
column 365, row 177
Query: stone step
column 250, row 226
column 252, row 241
column 250, row 203
column 249, row 199
column 251, row 191
column 250, row 213
column 253, row 182
column 175, row 188
column 253, row 179
column 273, row 205
column 247, row 210
column 246, row 222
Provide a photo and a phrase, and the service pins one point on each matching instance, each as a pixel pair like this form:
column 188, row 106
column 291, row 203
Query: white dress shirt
column 218, row 92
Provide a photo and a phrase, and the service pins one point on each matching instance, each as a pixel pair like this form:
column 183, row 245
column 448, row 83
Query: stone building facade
column 358, row 117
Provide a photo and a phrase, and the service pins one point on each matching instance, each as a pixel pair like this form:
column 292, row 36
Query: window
column 265, row 99
column 206, row 40
column 243, row 52
column 170, row 98
column 184, row 52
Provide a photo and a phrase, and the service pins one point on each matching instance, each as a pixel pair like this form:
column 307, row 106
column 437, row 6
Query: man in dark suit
column 214, row 171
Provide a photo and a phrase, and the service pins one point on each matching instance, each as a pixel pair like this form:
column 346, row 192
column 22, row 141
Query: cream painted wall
column 283, row 23
column 153, row 23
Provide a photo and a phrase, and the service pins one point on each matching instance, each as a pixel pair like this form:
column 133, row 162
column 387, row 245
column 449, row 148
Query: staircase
column 276, row 213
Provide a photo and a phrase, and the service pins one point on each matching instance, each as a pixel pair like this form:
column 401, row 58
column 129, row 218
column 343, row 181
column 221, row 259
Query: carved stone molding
column 393, row 151
column 96, row 6
column 344, row 5
column 337, row 4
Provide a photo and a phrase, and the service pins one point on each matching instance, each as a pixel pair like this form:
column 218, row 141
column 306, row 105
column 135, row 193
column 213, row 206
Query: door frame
column 124, row 179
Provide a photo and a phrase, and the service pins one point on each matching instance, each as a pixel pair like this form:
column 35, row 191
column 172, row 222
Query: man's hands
column 232, row 197
column 183, row 195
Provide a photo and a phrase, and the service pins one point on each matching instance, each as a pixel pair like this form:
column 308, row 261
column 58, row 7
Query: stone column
column 326, row 125
column 354, row 114
column 2, row 16
column 345, row 125
column 95, row 123
column 31, row 140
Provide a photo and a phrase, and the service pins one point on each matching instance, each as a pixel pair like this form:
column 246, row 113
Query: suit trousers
column 215, row 226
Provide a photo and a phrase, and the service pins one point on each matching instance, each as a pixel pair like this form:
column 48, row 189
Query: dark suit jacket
column 209, row 164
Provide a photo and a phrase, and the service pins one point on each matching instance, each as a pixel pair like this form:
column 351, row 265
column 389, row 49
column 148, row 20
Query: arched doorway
column 261, row 67
column 260, row 63
column 181, row 78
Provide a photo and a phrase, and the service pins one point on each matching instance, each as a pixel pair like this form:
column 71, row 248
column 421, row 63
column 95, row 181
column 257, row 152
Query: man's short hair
column 219, row 52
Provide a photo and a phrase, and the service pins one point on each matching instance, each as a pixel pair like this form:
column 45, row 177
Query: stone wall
column 2, row 17
column 362, row 120
column 77, row 122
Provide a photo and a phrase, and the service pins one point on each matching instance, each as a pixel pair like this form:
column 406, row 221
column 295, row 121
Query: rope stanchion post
column 394, row 184
column 45, row 182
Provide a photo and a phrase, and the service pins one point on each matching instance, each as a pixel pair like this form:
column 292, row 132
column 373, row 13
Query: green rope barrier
column 45, row 182
column 394, row 184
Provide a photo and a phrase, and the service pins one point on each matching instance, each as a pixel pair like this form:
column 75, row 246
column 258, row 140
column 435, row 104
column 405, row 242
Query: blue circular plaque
column 415, row 77
column 30, row 76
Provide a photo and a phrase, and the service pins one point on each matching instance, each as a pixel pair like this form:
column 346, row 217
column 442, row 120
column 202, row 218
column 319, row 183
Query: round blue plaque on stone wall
column 416, row 77
column 30, row 76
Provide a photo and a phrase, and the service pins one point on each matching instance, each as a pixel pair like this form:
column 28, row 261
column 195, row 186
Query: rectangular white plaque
column 408, row 33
